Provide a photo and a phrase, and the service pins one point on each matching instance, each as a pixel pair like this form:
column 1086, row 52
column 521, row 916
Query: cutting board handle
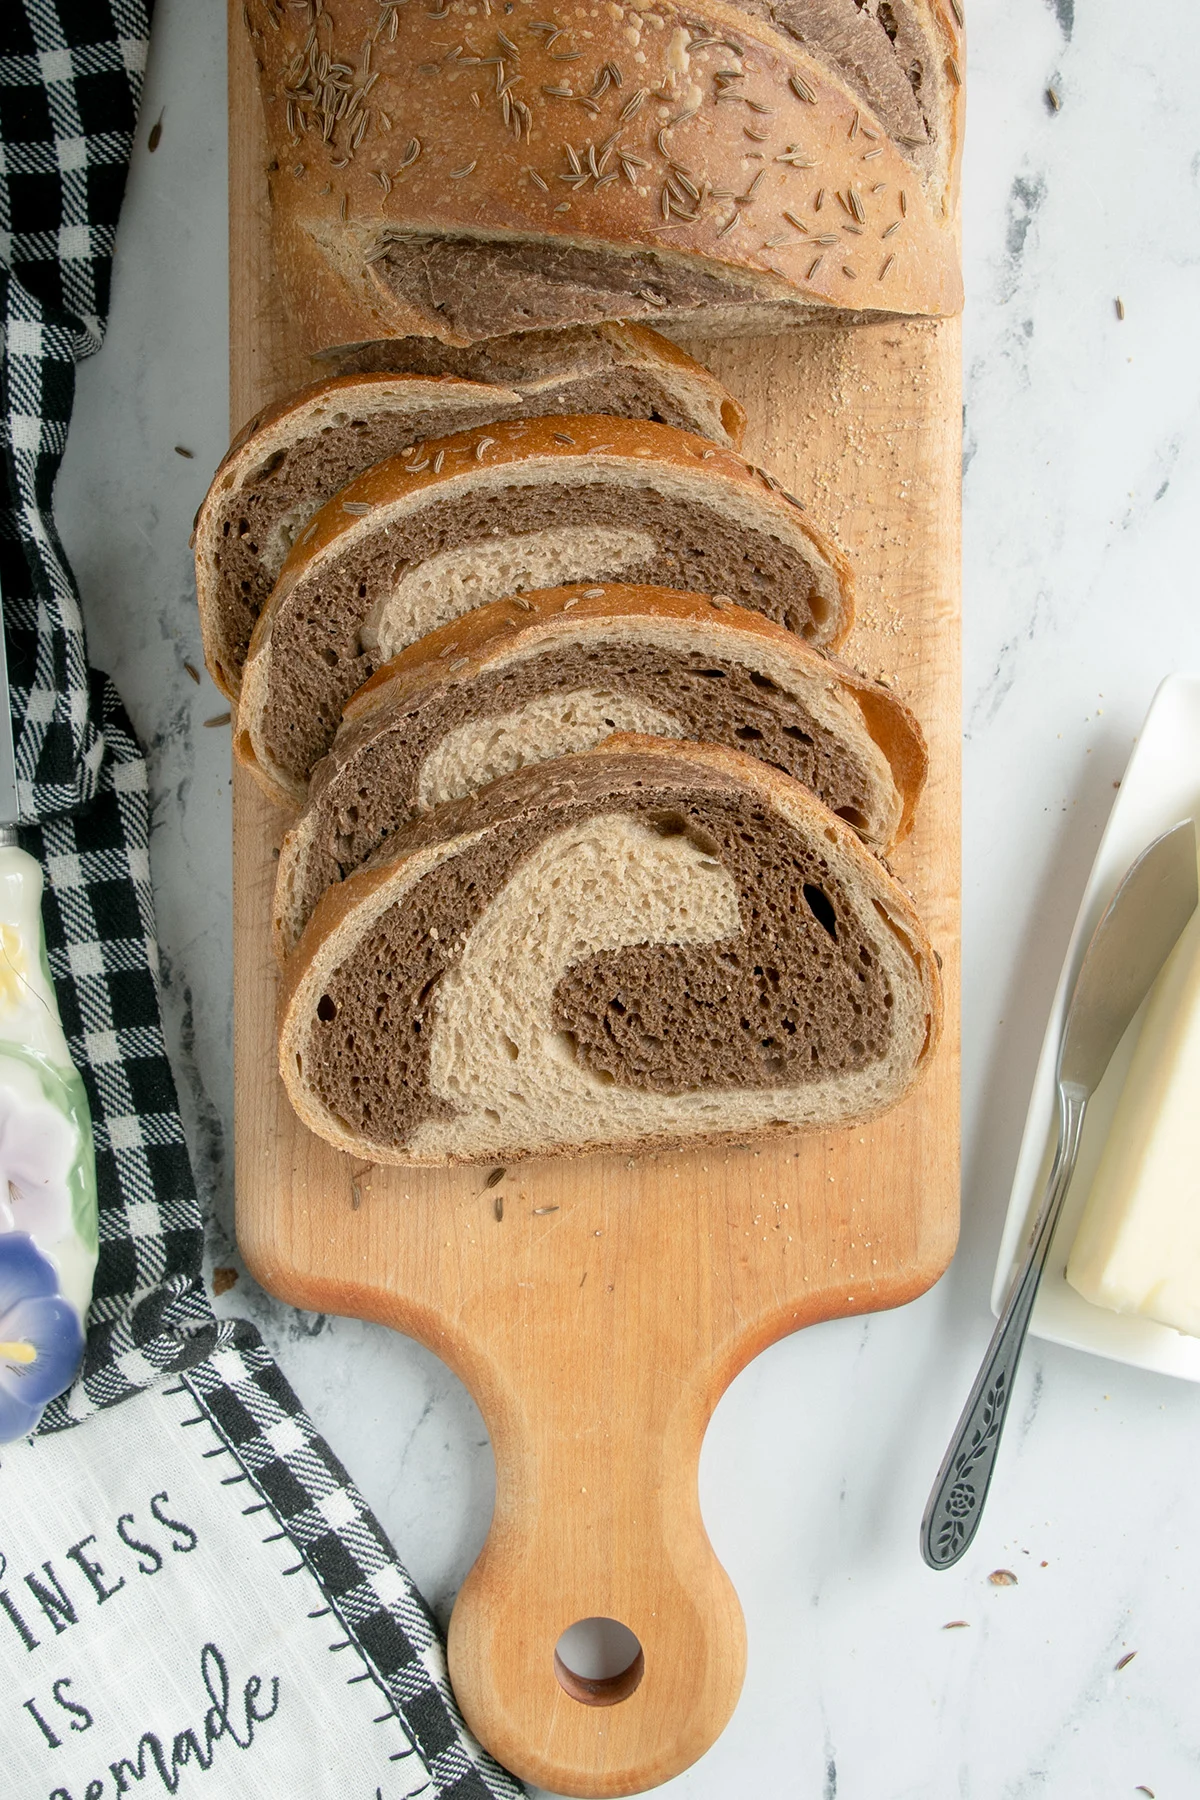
column 598, row 1516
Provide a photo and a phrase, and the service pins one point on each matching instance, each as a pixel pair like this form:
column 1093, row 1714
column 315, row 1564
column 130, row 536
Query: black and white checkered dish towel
column 70, row 82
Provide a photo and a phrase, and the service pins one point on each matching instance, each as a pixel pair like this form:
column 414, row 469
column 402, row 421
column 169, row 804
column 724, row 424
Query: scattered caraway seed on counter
column 218, row 719
column 1125, row 1661
column 182, row 450
column 155, row 138
column 193, row 671
column 956, row 1625
column 498, row 1209
column 1054, row 98
column 495, row 1178
column 1002, row 1578
column 1120, row 307
column 538, row 1211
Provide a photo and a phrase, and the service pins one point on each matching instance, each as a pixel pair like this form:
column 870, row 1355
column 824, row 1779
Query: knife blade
column 1137, row 932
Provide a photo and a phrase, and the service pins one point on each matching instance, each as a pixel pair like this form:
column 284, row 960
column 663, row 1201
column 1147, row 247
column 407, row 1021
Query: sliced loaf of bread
column 649, row 942
column 557, row 672
column 294, row 455
column 419, row 540
column 456, row 174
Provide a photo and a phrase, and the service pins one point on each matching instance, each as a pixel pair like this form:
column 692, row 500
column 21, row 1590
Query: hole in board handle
column 598, row 1662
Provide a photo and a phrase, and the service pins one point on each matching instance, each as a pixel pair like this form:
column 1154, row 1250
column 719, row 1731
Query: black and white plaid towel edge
column 70, row 82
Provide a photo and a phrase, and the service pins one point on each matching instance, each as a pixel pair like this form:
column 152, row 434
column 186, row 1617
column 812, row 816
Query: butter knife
column 1129, row 946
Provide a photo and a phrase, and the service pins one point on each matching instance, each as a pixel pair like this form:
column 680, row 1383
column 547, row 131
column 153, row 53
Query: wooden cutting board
column 598, row 1308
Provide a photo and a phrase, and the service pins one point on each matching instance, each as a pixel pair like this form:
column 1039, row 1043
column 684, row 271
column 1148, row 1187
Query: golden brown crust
column 898, row 734
column 273, row 782
column 425, row 843
column 651, row 346
column 413, row 154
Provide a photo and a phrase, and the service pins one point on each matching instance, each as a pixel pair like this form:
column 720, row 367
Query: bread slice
column 558, row 672
column 293, row 456
column 415, row 542
column 624, row 369
column 460, row 174
column 647, row 943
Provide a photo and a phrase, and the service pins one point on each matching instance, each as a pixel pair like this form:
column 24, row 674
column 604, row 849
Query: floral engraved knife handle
column 956, row 1502
column 950, row 1520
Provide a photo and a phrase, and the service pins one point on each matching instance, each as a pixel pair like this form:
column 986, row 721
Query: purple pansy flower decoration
column 41, row 1337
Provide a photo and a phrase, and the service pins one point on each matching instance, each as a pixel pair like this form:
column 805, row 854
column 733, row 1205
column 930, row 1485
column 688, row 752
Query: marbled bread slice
column 417, row 541
column 620, row 368
column 647, row 943
column 294, row 455
column 557, row 672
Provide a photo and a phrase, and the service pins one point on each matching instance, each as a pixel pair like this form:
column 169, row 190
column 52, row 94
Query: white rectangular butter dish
column 1161, row 786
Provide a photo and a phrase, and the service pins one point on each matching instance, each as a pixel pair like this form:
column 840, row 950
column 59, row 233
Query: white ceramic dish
column 1160, row 787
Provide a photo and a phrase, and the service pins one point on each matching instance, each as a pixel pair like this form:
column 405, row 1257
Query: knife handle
column 955, row 1504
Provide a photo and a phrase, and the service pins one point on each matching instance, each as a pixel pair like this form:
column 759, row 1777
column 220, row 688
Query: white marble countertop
column 1082, row 493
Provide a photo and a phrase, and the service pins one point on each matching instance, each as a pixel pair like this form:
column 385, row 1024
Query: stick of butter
column 1137, row 1249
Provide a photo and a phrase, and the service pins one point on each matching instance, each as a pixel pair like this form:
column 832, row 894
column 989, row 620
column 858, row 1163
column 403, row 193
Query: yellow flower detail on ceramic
column 14, row 966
